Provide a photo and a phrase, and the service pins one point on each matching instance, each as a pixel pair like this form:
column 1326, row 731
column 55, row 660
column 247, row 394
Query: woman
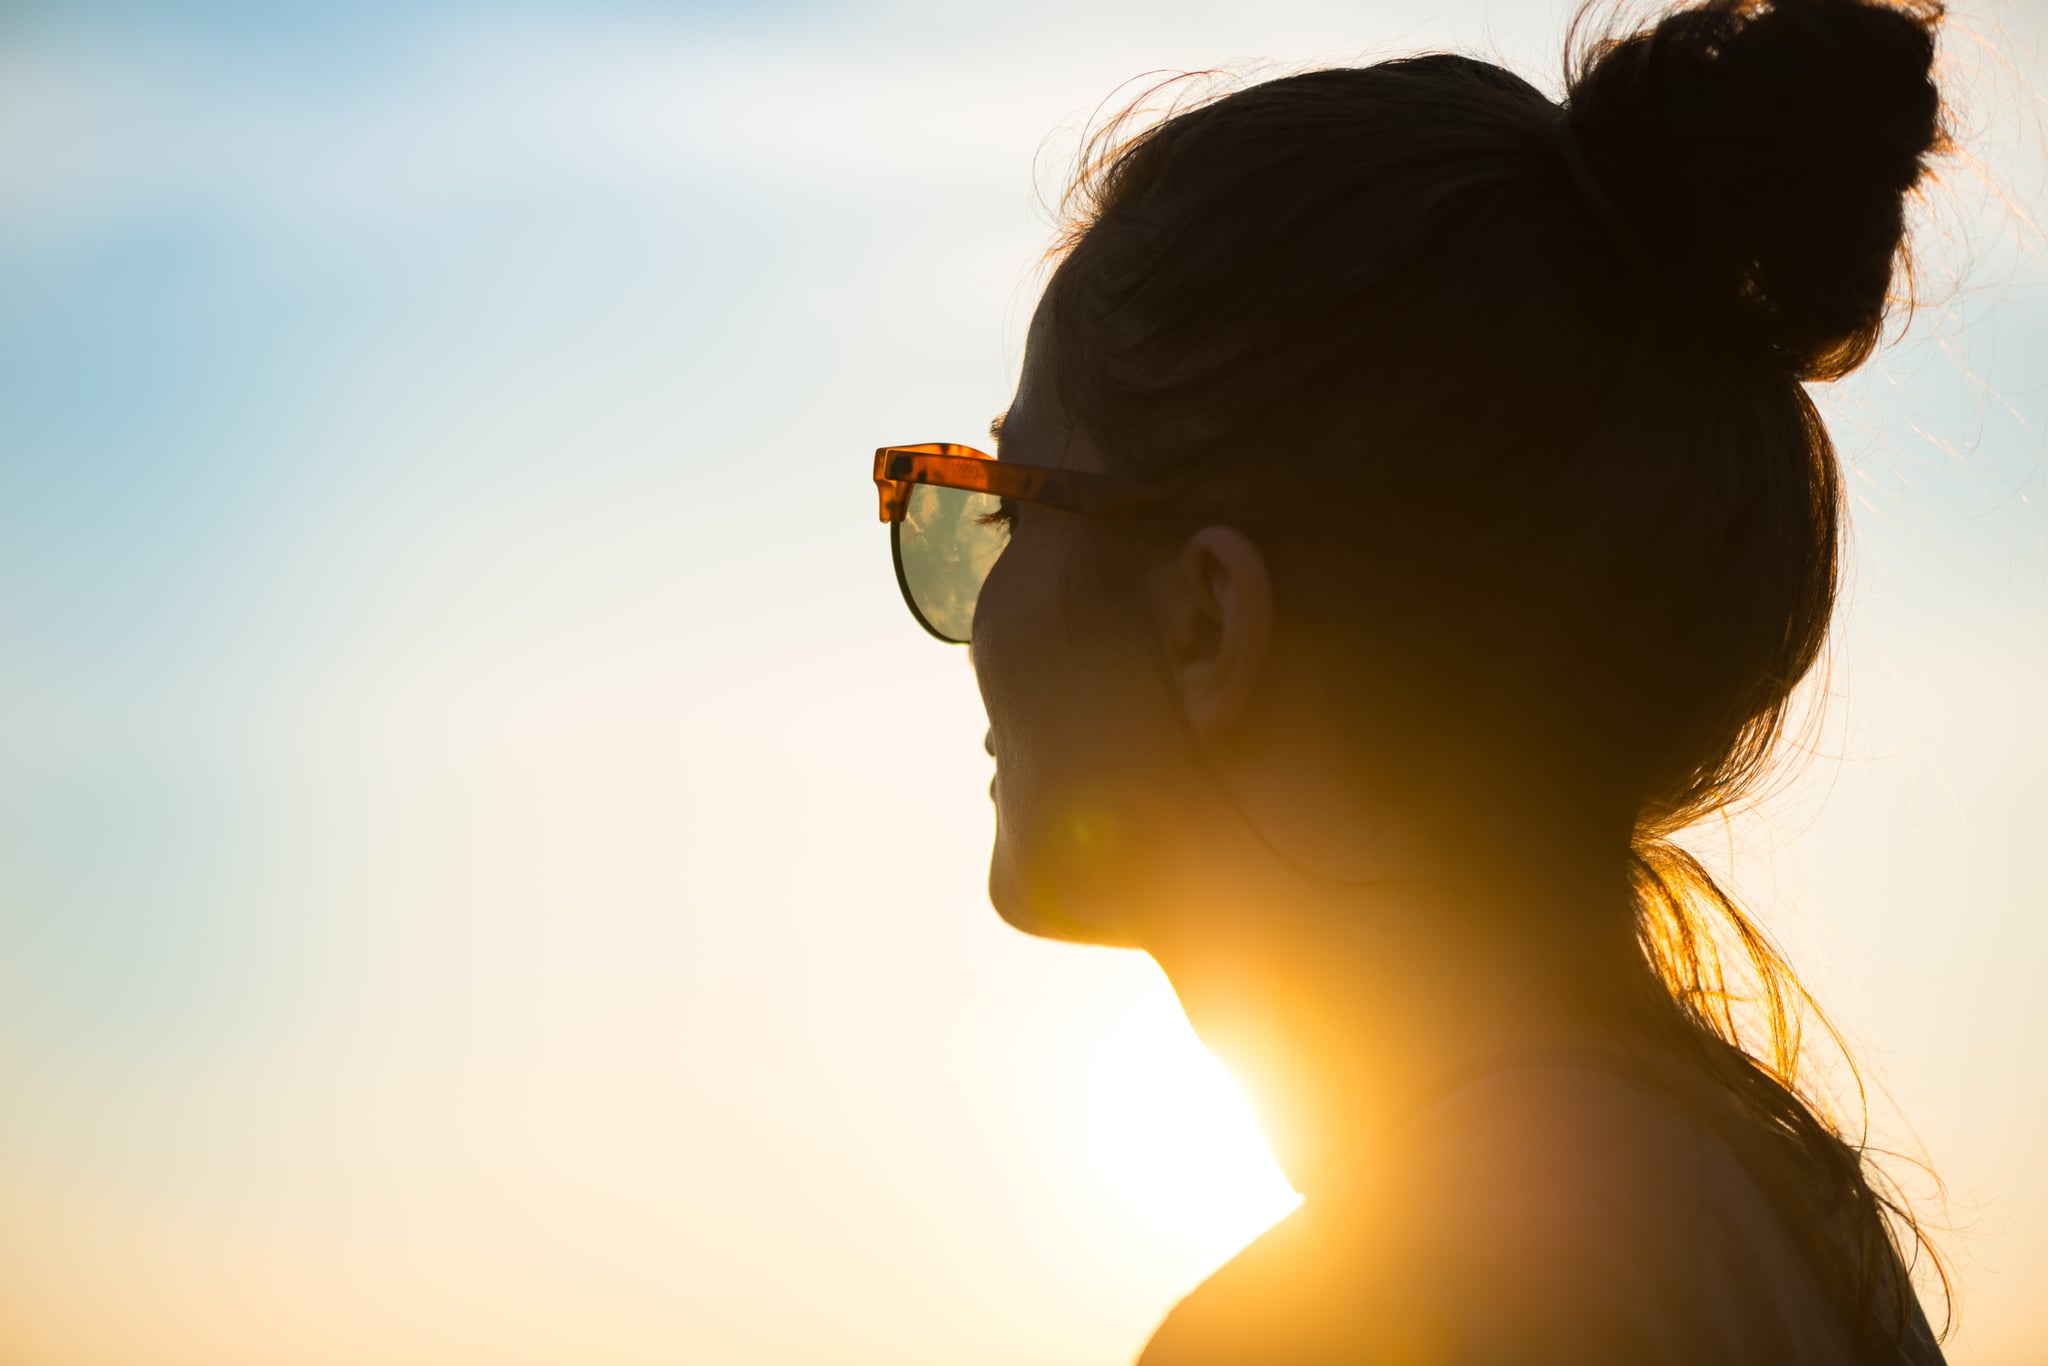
column 1409, row 516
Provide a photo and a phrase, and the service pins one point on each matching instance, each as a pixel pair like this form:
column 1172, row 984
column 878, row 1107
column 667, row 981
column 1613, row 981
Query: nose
column 988, row 742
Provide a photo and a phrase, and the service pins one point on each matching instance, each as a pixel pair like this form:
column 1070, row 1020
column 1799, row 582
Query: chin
column 1036, row 903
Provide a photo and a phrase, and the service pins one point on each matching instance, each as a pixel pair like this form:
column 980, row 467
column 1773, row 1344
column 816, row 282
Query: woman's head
column 1530, row 466
column 1504, row 527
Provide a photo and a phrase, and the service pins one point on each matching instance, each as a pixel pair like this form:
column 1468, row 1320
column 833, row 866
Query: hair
column 1512, row 393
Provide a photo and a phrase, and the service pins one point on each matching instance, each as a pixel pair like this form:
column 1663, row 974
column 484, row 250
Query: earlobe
column 1219, row 626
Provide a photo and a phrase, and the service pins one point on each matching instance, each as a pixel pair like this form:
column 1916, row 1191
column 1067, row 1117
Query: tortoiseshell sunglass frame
column 953, row 466
column 898, row 469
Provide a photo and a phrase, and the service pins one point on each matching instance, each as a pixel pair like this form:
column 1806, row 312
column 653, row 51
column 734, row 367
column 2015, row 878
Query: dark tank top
column 1541, row 1210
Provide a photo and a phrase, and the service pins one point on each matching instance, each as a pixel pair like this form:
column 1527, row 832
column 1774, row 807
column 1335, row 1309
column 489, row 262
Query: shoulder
column 1545, row 1214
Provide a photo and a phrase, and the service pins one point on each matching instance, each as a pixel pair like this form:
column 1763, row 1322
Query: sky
column 491, row 873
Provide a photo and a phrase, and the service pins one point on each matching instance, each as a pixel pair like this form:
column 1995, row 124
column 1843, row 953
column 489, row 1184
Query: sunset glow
column 490, row 872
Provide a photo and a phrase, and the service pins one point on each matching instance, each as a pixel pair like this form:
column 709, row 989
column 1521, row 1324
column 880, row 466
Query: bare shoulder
column 1547, row 1214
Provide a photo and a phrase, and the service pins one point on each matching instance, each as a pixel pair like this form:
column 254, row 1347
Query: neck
column 1340, row 1011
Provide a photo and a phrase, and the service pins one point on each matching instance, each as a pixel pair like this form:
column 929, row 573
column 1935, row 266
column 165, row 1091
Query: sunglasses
column 949, row 510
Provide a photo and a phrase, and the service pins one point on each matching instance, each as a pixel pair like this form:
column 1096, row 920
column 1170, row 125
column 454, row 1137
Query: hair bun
column 1762, row 151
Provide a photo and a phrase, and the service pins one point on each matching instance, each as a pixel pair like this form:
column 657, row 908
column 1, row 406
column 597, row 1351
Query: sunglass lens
column 946, row 543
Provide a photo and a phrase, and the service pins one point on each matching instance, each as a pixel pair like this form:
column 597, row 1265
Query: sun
column 1168, row 1139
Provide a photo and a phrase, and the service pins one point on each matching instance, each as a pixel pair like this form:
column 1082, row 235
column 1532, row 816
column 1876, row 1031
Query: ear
column 1214, row 604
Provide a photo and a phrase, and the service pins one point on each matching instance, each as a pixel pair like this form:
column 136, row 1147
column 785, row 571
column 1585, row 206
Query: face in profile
column 1076, row 715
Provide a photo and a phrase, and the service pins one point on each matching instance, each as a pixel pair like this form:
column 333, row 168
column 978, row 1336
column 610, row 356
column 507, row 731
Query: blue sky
column 451, row 668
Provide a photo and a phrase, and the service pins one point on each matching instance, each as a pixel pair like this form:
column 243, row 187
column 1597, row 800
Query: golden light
column 1166, row 1140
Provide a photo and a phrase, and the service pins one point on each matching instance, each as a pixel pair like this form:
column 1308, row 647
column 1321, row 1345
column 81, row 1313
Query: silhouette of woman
column 1409, row 516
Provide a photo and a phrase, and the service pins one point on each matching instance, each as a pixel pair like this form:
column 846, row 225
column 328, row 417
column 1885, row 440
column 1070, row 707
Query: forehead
column 1035, row 429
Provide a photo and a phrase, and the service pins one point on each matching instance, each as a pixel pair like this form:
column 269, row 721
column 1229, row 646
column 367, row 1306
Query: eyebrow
column 995, row 428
